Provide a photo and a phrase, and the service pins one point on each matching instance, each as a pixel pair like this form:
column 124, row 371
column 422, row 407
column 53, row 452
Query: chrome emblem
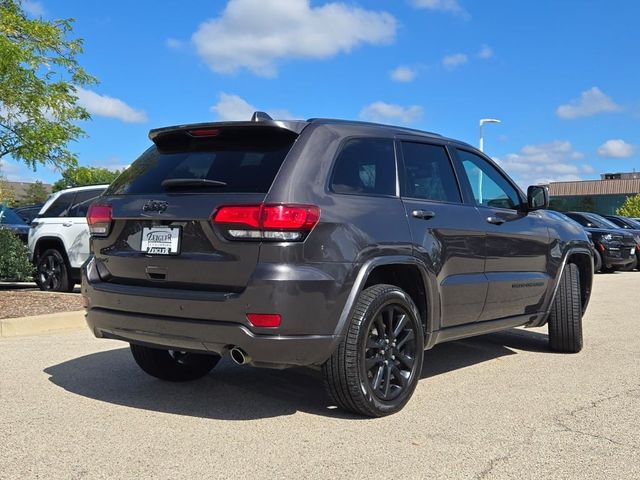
column 155, row 206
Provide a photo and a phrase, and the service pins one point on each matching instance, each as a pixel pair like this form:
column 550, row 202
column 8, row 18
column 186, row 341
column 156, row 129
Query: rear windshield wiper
column 191, row 182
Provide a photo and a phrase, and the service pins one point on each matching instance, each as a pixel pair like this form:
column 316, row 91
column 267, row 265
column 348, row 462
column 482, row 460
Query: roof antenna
column 260, row 117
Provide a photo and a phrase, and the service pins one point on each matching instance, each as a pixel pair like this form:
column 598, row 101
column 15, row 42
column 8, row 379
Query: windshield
column 9, row 217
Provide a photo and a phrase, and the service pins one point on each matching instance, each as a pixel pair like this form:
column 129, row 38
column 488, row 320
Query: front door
column 517, row 243
column 448, row 235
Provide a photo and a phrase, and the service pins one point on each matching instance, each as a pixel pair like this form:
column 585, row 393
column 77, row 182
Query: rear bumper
column 210, row 337
column 617, row 258
column 309, row 300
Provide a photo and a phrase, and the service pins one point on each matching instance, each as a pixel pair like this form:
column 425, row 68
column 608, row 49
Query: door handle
column 67, row 224
column 423, row 214
column 495, row 220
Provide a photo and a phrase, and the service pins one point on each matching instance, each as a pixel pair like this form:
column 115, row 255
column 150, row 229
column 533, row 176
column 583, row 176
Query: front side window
column 60, row 206
column 490, row 188
column 428, row 173
column 365, row 166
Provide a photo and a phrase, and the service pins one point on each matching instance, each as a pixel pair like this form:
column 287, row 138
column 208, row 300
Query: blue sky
column 563, row 76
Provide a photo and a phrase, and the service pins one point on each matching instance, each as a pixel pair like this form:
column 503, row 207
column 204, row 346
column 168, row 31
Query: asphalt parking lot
column 498, row 406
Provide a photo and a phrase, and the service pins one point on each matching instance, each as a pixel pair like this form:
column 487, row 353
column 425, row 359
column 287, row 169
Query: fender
column 361, row 278
column 542, row 320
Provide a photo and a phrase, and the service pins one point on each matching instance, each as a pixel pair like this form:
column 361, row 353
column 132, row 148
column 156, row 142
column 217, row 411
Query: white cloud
column 544, row 163
column 591, row 102
column 33, row 8
column 452, row 61
column 485, row 52
column 388, row 112
column 174, row 43
column 105, row 106
column 234, row 107
column 258, row 34
column 616, row 148
column 450, row 6
column 403, row 74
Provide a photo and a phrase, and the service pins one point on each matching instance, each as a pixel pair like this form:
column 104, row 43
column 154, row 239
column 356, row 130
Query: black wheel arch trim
column 365, row 270
column 583, row 251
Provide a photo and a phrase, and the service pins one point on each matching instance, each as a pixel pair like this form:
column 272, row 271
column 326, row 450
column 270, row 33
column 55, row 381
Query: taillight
column 99, row 220
column 267, row 222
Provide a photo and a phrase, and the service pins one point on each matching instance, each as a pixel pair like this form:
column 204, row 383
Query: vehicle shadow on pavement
column 232, row 392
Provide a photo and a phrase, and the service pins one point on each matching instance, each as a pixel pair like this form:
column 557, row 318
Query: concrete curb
column 41, row 324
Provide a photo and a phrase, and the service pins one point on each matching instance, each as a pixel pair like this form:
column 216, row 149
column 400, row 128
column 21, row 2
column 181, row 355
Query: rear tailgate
column 162, row 236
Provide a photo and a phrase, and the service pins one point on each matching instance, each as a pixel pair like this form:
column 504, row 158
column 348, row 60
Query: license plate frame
column 163, row 240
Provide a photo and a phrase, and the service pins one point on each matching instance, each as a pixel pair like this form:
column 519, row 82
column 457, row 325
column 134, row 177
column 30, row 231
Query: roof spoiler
column 201, row 129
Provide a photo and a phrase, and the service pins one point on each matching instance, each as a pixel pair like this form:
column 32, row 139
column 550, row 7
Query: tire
column 565, row 319
column 173, row 365
column 597, row 262
column 52, row 272
column 395, row 354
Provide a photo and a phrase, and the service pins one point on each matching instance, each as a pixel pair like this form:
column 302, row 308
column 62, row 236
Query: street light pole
column 482, row 122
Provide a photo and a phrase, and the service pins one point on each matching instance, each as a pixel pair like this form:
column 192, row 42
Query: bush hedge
column 14, row 258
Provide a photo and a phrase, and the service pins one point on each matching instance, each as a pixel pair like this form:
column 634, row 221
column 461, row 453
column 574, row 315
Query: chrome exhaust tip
column 239, row 356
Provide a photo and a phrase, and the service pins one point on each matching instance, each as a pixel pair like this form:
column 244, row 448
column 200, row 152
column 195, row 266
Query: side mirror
column 537, row 197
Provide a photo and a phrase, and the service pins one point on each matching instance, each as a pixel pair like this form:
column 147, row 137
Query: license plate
column 161, row 240
column 633, row 251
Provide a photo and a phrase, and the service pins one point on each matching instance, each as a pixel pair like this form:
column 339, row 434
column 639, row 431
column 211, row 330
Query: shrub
column 14, row 258
column 631, row 207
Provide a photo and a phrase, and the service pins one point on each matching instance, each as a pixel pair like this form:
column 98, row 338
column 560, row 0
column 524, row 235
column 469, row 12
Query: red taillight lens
column 289, row 217
column 205, row 132
column 268, row 222
column 99, row 219
column 268, row 320
column 248, row 215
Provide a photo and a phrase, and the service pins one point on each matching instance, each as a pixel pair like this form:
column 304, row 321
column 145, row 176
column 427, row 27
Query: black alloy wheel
column 390, row 352
column 52, row 273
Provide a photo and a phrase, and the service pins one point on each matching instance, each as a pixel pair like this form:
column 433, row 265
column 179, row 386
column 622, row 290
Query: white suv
column 59, row 237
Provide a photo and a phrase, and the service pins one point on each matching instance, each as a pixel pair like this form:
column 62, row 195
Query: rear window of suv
column 244, row 161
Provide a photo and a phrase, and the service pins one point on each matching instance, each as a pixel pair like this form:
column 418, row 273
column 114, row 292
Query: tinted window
column 81, row 203
column 428, row 173
column 489, row 187
column 365, row 166
column 243, row 160
column 60, row 206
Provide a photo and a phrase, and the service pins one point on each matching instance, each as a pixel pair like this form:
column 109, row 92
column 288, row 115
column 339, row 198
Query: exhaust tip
column 239, row 356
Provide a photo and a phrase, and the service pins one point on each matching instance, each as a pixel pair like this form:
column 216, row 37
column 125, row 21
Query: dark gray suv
column 346, row 245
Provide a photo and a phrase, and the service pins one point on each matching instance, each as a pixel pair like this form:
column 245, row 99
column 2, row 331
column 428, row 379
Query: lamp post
column 482, row 122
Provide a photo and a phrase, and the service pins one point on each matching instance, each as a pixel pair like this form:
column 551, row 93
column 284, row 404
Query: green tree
column 35, row 193
column 39, row 73
column 80, row 176
column 7, row 195
column 14, row 261
column 630, row 207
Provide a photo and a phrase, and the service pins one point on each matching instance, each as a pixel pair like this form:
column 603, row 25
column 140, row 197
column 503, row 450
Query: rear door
column 518, row 244
column 236, row 166
column 448, row 234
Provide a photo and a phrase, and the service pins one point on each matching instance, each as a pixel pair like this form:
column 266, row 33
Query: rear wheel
column 52, row 272
column 173, row 365
column 565, row 319
column 376, row 367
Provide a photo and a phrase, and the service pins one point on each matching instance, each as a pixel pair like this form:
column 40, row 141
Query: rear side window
column 60, row 206
column 238, row 161
column 428, row 173
column 81, row 203
column 365, row 166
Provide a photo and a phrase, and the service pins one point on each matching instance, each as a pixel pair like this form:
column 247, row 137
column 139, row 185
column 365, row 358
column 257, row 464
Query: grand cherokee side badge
column 155, row 206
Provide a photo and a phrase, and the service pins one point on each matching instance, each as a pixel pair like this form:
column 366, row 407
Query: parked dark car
column 630, row 225
column 11, row 221
column 28, row 212
column 346, row 245
column 616, row 248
